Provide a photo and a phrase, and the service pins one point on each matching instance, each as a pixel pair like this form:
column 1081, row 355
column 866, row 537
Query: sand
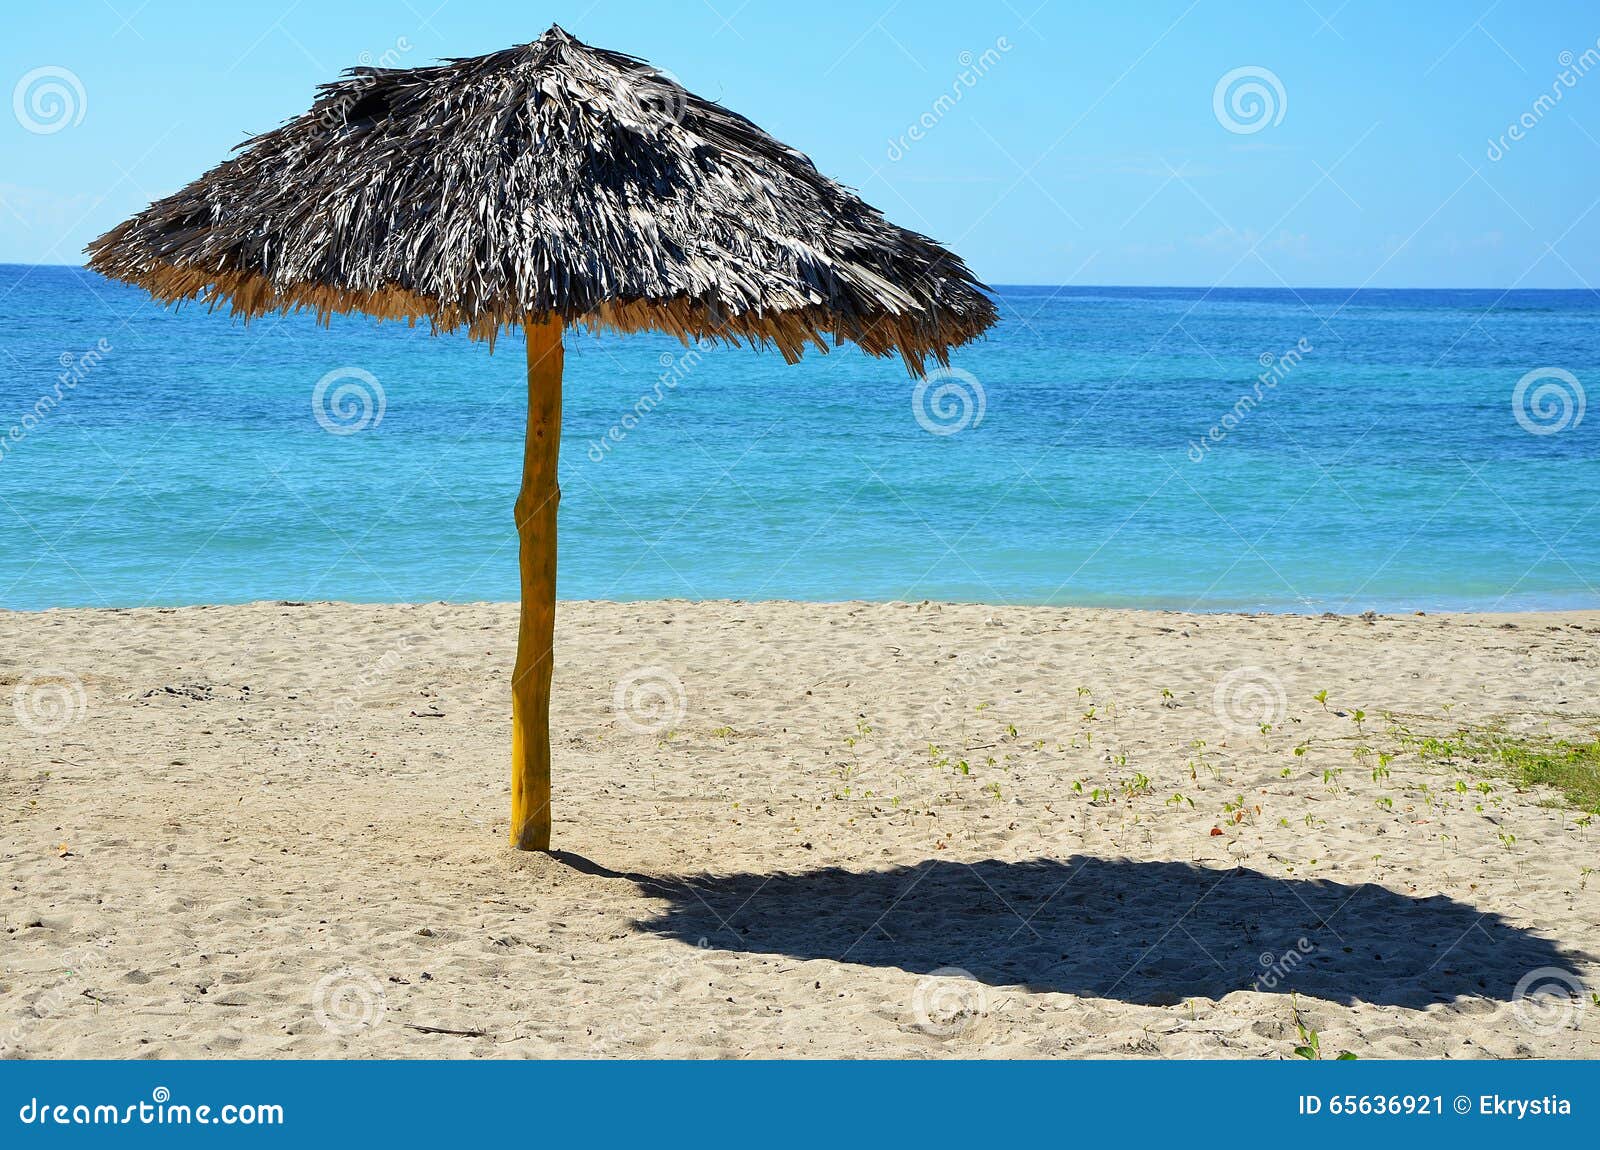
column 278, row 830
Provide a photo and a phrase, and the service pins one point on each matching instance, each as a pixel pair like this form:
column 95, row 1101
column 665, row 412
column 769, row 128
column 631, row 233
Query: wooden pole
column 536, row 531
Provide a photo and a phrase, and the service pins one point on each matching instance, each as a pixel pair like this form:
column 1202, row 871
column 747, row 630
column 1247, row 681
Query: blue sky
column 1090, row 150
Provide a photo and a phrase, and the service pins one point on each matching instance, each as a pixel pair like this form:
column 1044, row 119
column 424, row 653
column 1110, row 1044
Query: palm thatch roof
column 549, row 179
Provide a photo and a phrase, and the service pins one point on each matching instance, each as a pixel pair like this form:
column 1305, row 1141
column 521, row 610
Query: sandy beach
column 279, row 830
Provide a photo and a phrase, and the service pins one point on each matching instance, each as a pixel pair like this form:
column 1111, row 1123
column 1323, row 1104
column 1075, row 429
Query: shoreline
column 1220, row 612
column 268, row 831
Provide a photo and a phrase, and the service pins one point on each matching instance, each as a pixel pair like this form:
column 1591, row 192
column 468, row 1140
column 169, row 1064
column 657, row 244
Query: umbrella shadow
column 1152, row 933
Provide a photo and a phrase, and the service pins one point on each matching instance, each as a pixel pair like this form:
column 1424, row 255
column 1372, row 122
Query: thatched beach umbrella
column 546, row 185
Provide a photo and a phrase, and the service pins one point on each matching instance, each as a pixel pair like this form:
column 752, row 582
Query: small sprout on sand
column 1082, row 691
column 994, row 789
column 1310, row 1047
column 1138, row 785
column 1507, row 839
column 981, row 707
column 963, row 767
column 1301, row 749
column 1385, row 802
column 1321, row 697
column 1011, row 730
column 1286, row 772
column 1266, row 728
column 1358, row 716
column 1177, row 800
column 1077, row 787
column 727, row 733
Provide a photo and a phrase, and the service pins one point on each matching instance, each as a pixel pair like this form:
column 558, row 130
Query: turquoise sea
column 1367, row 454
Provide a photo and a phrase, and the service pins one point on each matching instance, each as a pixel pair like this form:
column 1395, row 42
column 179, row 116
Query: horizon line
column 1131, row 286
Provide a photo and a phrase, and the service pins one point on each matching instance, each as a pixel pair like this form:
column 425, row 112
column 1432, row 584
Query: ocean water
column 1208, row 450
